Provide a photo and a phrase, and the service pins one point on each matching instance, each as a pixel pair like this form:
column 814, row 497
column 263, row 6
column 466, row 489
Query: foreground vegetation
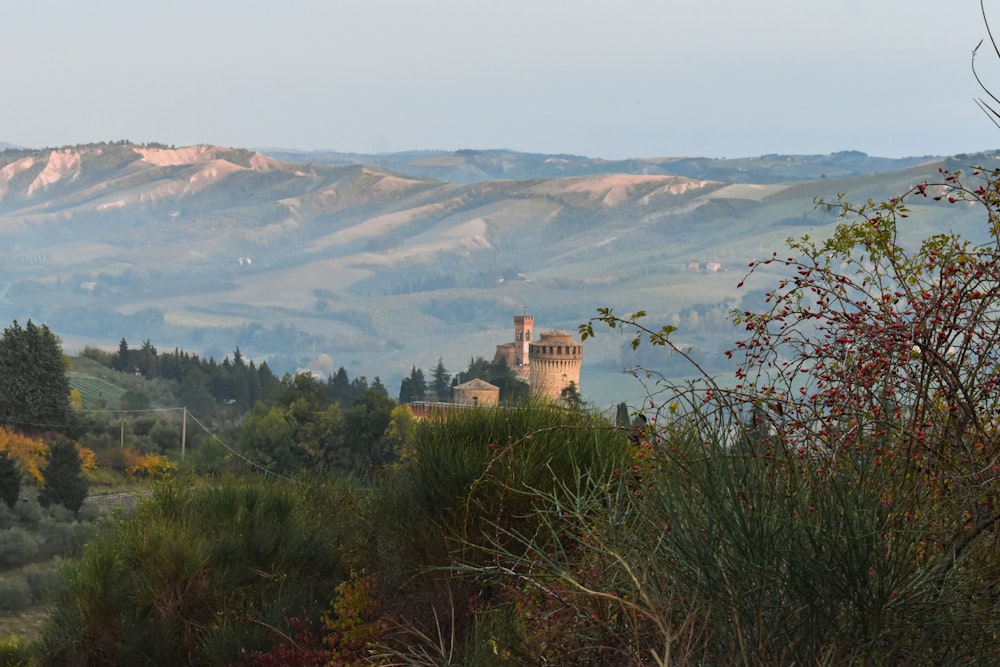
column 242, row 569
column 835, row 505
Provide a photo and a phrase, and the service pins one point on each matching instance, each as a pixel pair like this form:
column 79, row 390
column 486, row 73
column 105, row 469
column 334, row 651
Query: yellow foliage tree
column 32, row 453
column 88, row 458
column 147, row 465
column 29, row 452
column 401, row 432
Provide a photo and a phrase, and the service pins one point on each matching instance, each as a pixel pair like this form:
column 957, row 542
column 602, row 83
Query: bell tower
column 523, row 328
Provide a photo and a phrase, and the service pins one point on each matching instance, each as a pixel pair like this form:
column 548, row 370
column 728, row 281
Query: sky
column 608, row 79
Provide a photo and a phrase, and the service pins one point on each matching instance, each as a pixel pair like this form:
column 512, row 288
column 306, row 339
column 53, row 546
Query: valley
column 382, row 262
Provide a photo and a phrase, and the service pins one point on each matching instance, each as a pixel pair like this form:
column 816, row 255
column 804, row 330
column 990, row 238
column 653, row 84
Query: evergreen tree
column 10, row 480
column 339, row 387
column 64, row 481
column 413, row 388
column 622, row 418
column 146, row 360
column 34, row 390
column 266, row 379
column 571, row 395
column 439, row 382
column 122, row 361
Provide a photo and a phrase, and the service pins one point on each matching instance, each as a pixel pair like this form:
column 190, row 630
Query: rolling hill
column 381, row 262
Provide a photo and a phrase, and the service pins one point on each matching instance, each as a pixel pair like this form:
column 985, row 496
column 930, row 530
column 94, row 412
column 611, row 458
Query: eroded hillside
column 207, row 248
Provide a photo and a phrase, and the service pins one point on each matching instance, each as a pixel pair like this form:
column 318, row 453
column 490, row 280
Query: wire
column 234, row 452
column 117, row 411
column 193, row 418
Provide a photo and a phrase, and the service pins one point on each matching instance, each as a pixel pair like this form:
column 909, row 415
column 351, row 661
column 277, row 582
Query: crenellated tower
column 555, row 360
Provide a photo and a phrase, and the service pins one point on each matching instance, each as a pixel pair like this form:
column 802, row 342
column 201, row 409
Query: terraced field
column 96, row 392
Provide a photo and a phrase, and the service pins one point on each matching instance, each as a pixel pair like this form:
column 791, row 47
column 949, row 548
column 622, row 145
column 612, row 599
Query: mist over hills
column 470, row 166
column 381, row 262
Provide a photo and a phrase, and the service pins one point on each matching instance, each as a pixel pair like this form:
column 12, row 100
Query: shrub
column 15, row 594
column 63, row 538
column 43, row 580
column 17, row 547
column 28, row 514
column 13, row 653
column 147, row 465
column 201, row 571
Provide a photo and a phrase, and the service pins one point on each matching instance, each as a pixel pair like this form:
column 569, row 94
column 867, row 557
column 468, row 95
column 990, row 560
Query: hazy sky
column 606, row 79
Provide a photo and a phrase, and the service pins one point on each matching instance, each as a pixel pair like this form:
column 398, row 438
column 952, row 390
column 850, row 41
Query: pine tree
column 10, row 480
column 64, row 481
column 439, row 382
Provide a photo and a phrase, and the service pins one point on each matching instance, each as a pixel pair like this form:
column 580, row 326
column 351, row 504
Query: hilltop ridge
column 381, row 263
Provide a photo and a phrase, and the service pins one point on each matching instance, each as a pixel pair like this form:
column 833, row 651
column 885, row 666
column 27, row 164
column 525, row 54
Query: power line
column 124, row 411
column 234, row 452
column 204, row 428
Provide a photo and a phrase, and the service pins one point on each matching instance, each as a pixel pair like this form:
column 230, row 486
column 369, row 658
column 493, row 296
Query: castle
column 549, row 364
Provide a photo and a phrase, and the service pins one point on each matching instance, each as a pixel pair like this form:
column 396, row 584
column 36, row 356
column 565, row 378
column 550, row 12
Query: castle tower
column 555, row 362
column 523, row 327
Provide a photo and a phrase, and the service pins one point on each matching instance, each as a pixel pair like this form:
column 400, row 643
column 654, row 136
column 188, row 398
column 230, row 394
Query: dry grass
column 26, row 625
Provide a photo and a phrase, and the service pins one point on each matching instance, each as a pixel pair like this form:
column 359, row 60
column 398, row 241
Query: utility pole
column 184, row 432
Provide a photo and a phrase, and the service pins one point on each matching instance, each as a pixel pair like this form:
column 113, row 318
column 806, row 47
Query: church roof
column 476, row 383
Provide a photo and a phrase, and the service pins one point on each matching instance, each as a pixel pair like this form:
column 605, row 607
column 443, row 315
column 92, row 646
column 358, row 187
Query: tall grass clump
column 202, row 570
column 469, row 481
column 711, row 547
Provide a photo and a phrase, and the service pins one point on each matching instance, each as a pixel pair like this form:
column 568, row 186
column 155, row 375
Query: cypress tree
column 412, row 388
column 34, row 389
column 64, row 481
column 10, row 479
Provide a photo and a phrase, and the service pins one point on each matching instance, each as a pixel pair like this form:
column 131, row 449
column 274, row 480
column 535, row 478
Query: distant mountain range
column 471, row 166
column 381, row 262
